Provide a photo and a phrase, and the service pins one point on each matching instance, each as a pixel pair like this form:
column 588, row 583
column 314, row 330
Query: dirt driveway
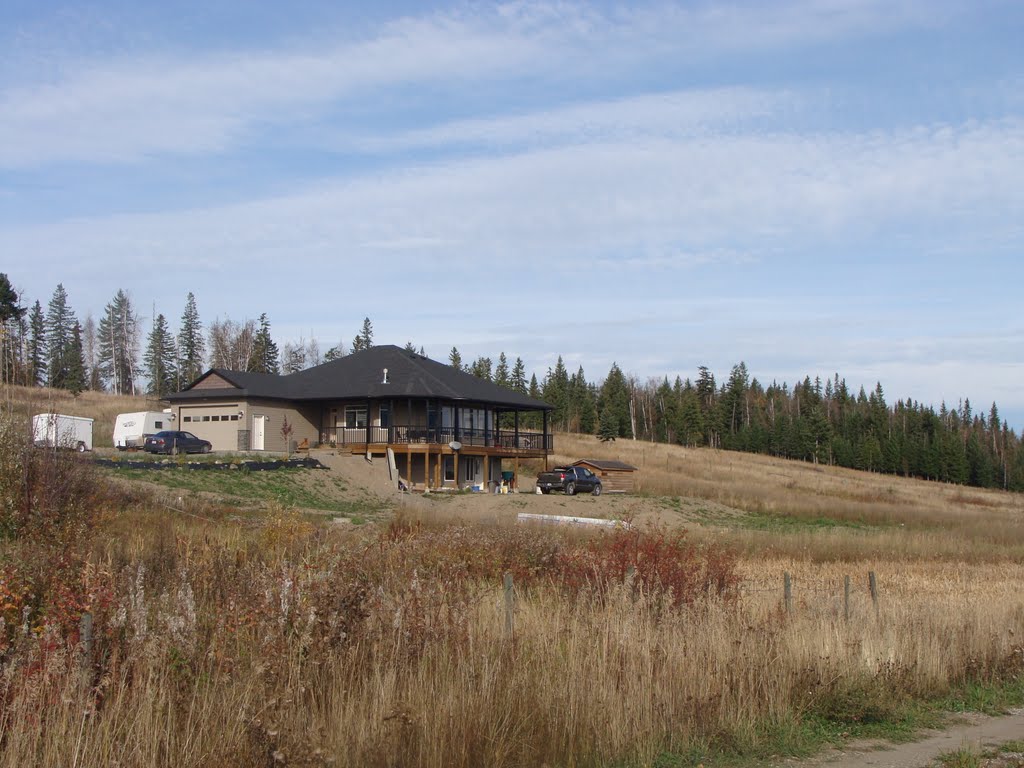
column 972, row 732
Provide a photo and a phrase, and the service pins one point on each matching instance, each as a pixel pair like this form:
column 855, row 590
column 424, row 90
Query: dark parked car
column 570, row 480
column 170, row 441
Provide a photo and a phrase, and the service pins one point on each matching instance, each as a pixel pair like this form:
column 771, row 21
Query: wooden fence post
column 846, row 598
column 509, row 607
column 787, row 591
column 873, row 585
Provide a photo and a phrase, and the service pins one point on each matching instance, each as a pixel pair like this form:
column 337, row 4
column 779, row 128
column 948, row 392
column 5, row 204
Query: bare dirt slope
column 972, row 732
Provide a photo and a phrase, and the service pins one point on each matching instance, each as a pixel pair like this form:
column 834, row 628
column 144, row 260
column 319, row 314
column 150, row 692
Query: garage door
column 217, row 423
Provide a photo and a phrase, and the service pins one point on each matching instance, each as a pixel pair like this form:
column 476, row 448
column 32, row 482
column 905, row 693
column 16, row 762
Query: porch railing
column 401, row 435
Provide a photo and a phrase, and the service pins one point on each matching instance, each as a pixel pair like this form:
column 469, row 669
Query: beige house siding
column 304, row 421
column 213, row 381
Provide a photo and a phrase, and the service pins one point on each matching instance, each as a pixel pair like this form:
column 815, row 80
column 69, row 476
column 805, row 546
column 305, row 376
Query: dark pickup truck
column 570, row 480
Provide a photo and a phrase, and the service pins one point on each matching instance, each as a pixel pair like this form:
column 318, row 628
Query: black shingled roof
column 361, row 375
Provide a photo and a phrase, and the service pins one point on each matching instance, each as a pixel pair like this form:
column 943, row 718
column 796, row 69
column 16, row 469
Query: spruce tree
column 60, row 324
column 363, row 339
column 11, row 313
column 76, row 379
column 481, row 368
column 518, row 382
column 36, row 346
column 501, row 372
column 455, row 359
column 160, row 359
column 264, row 351
column 191, row 344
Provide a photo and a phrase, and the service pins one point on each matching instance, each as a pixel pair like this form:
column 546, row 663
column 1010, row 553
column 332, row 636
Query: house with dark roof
column 445, row 427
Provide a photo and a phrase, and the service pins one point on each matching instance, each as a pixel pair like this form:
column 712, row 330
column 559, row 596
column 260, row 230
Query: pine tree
column 119, row 344
column 160, row 359
column 519, row 377
column 94, row 380
column 335, row 352
column 59, row 325
column 363, row 339
column 76, row 379
column 191, row 344
column 11, row 313
column 501, row 373
column 481, row 368
column 36, row 361
column 556, row 393
column 264, row 351
column 455, row 359
column 608, row 426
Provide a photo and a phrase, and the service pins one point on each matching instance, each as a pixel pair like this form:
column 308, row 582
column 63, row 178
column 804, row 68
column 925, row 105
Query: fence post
column 873, row 585
column 787, row 591
column 85, row 646
column 846, row 598
column 509, row 607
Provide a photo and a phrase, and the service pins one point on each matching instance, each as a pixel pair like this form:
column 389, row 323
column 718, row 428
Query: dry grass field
column 219, row 635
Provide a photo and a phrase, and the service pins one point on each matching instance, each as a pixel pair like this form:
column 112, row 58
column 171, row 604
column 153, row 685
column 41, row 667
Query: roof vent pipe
column 385, row 376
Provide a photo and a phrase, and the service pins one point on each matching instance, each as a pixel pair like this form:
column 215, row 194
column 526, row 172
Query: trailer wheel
column 80, row 447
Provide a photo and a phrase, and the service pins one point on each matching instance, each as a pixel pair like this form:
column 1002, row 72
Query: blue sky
column 809, row 186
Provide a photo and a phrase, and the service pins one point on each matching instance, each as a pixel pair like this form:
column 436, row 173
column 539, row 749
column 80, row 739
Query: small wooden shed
column 616, row 476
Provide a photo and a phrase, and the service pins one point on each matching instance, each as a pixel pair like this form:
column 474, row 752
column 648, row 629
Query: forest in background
column 812, row 420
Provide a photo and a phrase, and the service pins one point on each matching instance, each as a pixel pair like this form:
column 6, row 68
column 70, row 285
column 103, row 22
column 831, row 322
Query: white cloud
column 195, row 103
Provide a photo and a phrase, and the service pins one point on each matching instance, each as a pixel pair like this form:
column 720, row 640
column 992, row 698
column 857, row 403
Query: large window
column 385, row 415
column 355, row 416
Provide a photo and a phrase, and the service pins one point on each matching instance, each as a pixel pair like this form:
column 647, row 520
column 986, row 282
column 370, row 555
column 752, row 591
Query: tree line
column 816, row 421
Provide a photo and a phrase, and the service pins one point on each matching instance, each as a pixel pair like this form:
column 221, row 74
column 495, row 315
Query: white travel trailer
column 56, row 430
column 132, row 429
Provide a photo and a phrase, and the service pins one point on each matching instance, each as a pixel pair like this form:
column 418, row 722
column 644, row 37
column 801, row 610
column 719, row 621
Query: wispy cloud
column 128, row 109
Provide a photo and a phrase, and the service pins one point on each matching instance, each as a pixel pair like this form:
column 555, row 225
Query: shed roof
column 608, row 464
column 361, row 375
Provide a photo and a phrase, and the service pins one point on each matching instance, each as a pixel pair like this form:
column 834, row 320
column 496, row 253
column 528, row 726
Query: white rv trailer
column 57, row 430
column 132, row 429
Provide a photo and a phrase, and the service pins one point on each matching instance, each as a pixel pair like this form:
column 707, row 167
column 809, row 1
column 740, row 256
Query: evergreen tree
column 37, row 355
column 614, row 398
column 556, row 393
column 191, row 344
column 335, row 353
column 11, row 314
column 455, row 359
column 481, row 368
column 501, row 373
column 608, row 428
column 60, row 324
column 363, row 339
column 76, row 379
column 263, row 358
column 160, row 359
column 518, row 382
column 119, row 344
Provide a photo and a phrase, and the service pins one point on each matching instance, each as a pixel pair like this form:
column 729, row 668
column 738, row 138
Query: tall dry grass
column 289, row 646
column 905, row 516
column 101, row 406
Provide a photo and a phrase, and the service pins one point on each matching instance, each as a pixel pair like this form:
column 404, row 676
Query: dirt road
column 971, row 731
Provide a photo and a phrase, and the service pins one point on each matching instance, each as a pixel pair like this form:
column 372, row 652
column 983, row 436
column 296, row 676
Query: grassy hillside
column 101, row 406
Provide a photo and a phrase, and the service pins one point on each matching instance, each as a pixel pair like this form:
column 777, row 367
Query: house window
column 385, row 415
column 449, row 468
column 183, row 418
column 216, row 418
column 355, row 417
column 432, row 415
column 206, row 418
column 234, row 417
